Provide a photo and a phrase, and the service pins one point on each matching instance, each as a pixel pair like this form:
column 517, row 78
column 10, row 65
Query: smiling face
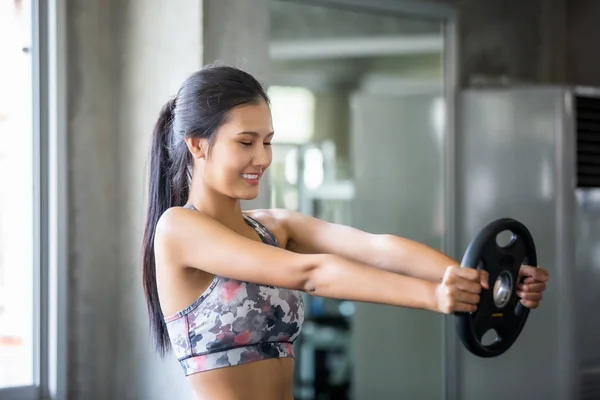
column 241, row 152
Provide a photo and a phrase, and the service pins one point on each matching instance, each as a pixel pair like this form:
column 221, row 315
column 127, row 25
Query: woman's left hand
column 530, row 291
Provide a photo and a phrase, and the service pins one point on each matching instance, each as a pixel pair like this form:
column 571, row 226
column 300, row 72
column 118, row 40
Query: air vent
column 590, row 384
column 588, row 141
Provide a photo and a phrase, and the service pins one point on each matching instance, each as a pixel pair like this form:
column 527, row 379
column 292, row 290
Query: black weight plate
column 507, row 320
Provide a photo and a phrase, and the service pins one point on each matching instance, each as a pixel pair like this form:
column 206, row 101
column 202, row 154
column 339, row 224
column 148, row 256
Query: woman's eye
column 250, row 144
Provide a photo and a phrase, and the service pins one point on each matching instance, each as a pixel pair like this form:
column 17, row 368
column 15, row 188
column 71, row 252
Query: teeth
column 250, row 176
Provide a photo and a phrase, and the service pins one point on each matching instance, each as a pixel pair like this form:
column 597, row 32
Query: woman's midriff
column 270, row 379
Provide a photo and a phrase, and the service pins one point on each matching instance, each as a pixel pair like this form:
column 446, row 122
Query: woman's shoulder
column 176, row 223
column 271, row 218
column 173, row 217
column 275, row 220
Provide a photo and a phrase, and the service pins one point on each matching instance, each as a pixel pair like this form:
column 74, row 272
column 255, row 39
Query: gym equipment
column 500, row 308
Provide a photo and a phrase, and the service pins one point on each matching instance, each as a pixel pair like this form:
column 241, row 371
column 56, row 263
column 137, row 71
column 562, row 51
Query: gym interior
column 423, row 119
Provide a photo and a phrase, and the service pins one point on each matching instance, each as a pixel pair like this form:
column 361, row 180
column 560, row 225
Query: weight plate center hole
column 490, row 337
column 503, row 288
column 505, row 238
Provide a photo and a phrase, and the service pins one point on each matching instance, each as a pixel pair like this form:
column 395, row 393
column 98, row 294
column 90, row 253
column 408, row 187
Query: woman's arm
column 413, row 258
column 391, row 253
column 186, row 238
column 457, row 291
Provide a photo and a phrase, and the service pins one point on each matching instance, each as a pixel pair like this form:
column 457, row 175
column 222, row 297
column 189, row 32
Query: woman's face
column 241, row 152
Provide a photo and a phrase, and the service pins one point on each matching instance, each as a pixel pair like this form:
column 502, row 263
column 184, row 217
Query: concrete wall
column 94, row 198
column 236, row 32
column 582, row 57
column 536, row 41
column 126, row 59
column 510, row 39
column 158, row 47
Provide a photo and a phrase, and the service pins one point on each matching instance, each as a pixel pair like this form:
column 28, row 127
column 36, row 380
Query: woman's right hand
column 460, row 289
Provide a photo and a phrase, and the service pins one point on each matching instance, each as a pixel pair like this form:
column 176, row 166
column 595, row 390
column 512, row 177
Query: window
column 17, row 237
column 32, row 199
column 293, row 110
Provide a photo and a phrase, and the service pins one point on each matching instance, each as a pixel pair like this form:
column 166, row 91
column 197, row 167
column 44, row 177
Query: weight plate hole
column 503, row 288
column 505, row 238
column 489, row 338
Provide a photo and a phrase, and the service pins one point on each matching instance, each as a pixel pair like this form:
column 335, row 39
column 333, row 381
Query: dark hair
column 201, row 106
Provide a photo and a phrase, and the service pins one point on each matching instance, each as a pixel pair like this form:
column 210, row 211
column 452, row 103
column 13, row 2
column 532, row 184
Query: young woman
column 224, row 286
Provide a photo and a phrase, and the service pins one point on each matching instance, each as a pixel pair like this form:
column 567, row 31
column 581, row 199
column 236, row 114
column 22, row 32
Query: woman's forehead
column 250, row 118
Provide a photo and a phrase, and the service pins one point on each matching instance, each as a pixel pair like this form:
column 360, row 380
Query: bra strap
column 266, row 235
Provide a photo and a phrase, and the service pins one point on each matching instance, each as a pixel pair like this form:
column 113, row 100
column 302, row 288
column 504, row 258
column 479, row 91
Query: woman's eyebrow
column 252, row 133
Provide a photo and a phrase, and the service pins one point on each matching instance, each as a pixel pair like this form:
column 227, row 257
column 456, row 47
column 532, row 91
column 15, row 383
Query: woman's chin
column 249, row 194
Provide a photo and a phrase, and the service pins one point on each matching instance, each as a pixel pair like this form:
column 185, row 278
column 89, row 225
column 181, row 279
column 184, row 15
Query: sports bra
column 235, row 322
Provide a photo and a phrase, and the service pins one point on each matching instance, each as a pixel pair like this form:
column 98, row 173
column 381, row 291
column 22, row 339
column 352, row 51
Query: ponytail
column 160, row 198
column 201, row 106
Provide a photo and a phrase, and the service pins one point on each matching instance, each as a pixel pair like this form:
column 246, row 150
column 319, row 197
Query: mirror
column 359, row 113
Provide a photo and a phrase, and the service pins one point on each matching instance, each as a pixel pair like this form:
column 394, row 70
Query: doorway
column 361, row 110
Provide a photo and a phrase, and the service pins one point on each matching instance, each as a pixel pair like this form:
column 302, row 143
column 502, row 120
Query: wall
column 236, row 32
column 176, row 42
column 397, row 160
column 94, row 197
column 581, row 55
column 537, row 41
column 511, row 39
column 159, row 46
column 125, row 60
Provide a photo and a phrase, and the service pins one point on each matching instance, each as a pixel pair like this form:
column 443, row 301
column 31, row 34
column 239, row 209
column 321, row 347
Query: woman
column 224, row 286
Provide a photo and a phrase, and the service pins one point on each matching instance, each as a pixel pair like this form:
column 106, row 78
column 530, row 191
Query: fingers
column 458, row 300
column 462, row 307
column 484, row 279
column 466, row 298
column 462, row 284
column 530, row 303
column 460, row 289
column 537, row 273
column 529, row 280
column 532, row 296
column 478, row 277
column 532, row 286
column 530, row 292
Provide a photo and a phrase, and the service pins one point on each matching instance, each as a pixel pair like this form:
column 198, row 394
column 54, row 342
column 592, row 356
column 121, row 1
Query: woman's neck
column 224, row 209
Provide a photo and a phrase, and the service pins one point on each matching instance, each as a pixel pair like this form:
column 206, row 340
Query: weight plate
column 499, row 308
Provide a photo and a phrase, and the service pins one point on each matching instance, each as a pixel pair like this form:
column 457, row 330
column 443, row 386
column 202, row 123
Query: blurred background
column 424, row 119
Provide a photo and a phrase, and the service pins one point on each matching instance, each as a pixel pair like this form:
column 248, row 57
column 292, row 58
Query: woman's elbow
column 320, row 274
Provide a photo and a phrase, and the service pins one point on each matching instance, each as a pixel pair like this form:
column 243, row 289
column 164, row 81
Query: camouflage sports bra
column 236, row 322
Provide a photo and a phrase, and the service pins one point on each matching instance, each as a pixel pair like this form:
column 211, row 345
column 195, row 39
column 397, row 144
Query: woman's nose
column 262, row 157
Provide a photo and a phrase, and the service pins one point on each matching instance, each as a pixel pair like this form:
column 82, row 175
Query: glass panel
column 16, row 195
column 364, row 149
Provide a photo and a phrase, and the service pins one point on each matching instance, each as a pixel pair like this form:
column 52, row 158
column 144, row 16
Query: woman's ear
column 196, row 146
